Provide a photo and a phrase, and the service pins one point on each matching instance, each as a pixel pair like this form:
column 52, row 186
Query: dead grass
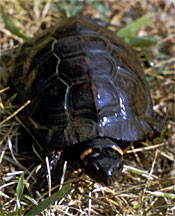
column 147, row 185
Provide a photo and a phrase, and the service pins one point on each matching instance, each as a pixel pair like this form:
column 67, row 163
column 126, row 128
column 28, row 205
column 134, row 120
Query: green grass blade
column 11, row 26
column 140, row 41
column 19, row 191
column 49, row 201
column 162, row 194
column 1, row 210
column 20, row 187
column 131, row 29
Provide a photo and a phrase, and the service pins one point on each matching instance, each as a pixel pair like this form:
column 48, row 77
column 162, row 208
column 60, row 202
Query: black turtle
column 88, row 94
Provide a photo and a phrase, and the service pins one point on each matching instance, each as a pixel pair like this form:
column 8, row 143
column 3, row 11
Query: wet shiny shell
column 83, row 82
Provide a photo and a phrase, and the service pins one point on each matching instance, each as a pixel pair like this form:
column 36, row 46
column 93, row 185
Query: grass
column 146, row 186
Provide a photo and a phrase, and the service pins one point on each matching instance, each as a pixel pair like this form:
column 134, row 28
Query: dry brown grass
column 147, row 184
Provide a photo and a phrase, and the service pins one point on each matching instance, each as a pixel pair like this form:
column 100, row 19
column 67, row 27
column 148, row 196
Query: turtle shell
column 83, row 82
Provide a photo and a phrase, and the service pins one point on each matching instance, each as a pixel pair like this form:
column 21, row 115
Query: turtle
column 88, row 94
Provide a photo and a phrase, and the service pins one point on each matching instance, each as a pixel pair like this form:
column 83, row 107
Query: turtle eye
column 95, row 155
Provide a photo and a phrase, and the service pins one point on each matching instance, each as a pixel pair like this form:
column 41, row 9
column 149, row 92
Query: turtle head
column 102, row 161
